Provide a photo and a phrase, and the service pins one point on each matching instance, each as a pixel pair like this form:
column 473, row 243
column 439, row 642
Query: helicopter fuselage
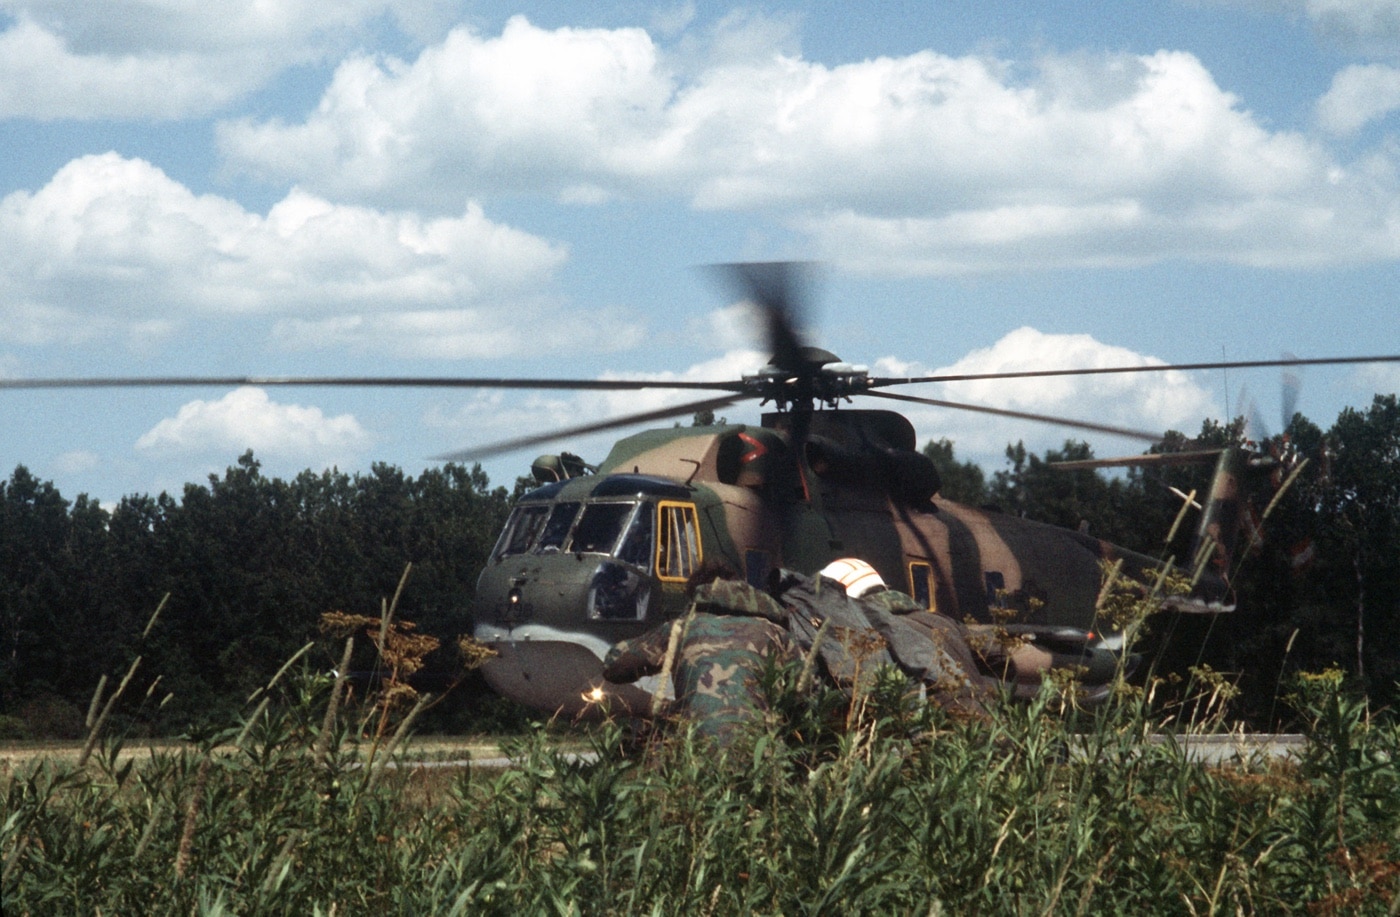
column 591, row 560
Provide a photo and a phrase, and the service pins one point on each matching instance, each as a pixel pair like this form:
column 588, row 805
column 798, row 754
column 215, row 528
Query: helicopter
column 600, row 553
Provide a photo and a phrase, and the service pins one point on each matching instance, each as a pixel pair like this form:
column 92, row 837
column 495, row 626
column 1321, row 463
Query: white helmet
column 856, row 575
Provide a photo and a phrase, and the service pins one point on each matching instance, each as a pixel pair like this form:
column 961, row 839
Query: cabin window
column 996, row 588
column 599, row 527
column 921, row 585
column 639, row 544
column 756, row 569
column 522, row 527
column 678, row 552
column 556, row 528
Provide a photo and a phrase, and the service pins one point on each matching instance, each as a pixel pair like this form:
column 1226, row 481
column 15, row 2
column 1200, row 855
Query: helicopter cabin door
column 926, row 564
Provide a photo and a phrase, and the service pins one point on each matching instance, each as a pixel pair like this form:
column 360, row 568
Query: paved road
column 495, row 763
column 1213, row 749
column 1224, row 749
column 1207, row 749
column 1204, row 749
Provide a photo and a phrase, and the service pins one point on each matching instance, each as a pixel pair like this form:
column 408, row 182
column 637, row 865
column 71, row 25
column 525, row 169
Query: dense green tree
column 33, row 529
column 250, row 564
column 962, row 481
column 1316, row 580
column 60, row 624
column 1358, row 494
column 1117, row 508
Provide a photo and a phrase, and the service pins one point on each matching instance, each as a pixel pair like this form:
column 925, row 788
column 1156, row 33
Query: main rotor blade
column 1023, row 415
column 616, row 385
column 883, row 382
column 510, row 445
column 1195, row 457
column 773, row 287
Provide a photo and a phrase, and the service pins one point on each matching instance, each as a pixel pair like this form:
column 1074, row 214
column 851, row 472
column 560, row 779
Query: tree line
column 250, row 563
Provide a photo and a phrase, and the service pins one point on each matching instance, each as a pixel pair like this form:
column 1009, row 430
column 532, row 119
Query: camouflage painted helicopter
column 599, row 554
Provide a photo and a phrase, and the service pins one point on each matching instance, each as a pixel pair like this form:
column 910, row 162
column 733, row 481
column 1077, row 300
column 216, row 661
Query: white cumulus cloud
column 1359, row 94
column 113, row 245
column 1151, row 402
column 80, row 59
column 567, row 110
column 247, row 418
column 923, row 163
column 1370, row 26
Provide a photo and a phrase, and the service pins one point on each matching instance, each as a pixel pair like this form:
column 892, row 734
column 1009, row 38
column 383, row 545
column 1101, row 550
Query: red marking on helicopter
column 757, row 451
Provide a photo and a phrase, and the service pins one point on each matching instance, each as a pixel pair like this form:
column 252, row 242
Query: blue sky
column 437, row 187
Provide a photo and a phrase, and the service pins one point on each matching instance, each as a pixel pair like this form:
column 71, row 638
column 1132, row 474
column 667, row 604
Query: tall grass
column 1042, row 809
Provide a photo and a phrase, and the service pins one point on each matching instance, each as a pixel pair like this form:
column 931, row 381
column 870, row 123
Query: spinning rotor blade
column 625, row 385
column 773, row 286
column 535, row 439
column 1023, row 415
column 883, row 382
column 1292, row 384
column 1255, row 429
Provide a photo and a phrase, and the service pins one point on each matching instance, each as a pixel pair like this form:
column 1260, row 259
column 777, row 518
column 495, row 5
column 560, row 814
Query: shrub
column 13, row 728
column 51, row 716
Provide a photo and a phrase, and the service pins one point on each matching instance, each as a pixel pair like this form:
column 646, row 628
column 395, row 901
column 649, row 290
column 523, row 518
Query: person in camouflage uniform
column 963, row 667
column 931, row 649
column 722, row 645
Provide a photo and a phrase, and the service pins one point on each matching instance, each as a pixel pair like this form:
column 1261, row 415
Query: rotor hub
column 821, row 380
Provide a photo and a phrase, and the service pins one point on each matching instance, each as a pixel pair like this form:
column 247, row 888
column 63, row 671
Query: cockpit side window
column 639, row 545
column 521, row 529
column 599, row 527
column 556, row 529
column 678, row 549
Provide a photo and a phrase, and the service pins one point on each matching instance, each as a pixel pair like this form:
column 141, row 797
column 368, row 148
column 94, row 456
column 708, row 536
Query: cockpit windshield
column 556, row 529
column 637, row 546
column 521, row 528
column 619, row 528
column 599, row 527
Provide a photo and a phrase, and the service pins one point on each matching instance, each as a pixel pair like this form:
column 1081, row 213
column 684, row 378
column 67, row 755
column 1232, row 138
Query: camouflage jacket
column 925, row 644
column 823, row 618
column 931, row 648
column 725, row 643
column 730, row 597
column 887, row 628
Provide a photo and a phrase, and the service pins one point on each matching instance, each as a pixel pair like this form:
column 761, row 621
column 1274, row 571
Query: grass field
column 831, row 806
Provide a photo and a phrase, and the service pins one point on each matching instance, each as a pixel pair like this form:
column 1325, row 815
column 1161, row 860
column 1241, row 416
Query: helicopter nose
column 515, row 608
column 555, row 672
